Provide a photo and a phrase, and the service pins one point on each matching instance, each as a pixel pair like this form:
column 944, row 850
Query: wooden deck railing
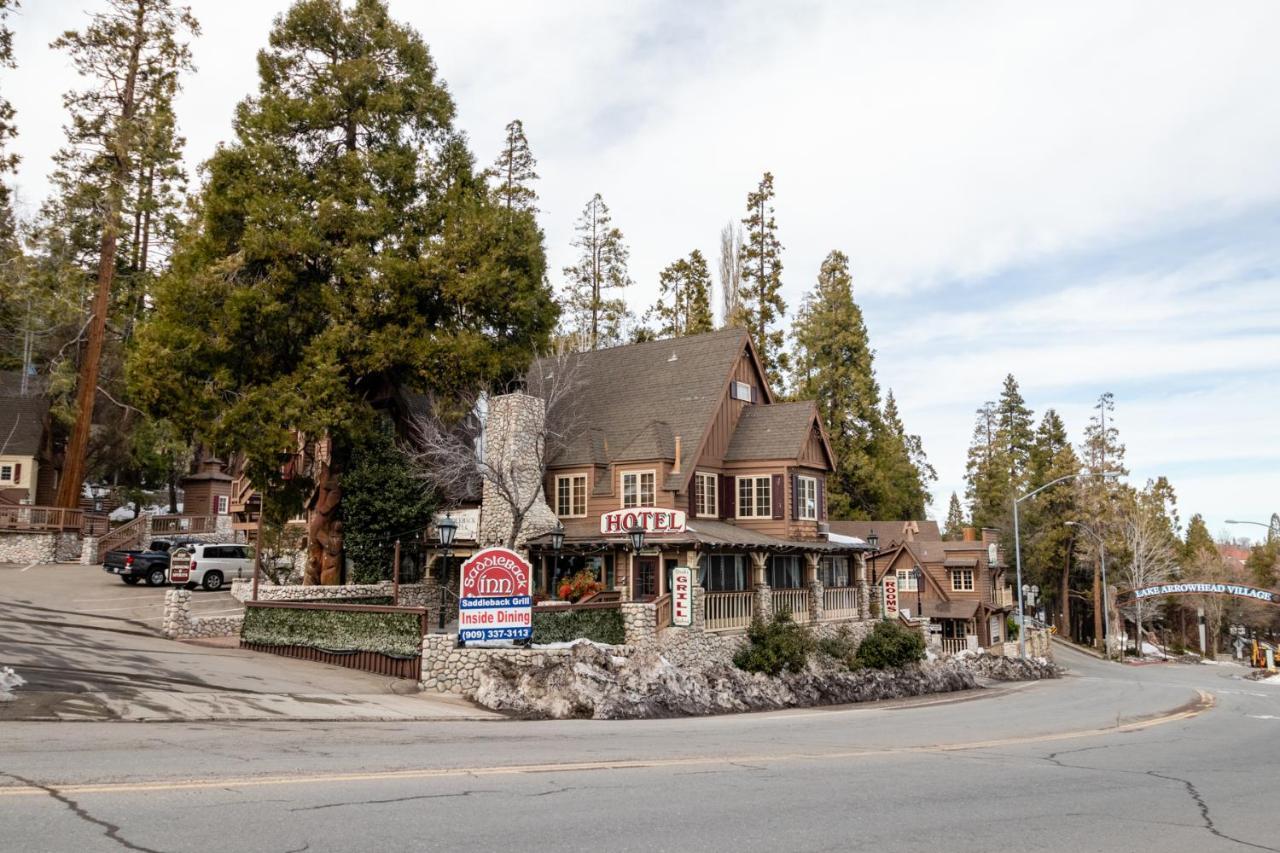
column 795, row 600
column 662, row 612
column 46, row 518
column 126, row 536
column 163, row 524
column 953, row 645
column 840, row 602
column 728, row 610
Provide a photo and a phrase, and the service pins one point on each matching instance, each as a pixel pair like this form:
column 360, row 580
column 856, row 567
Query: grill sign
column 495, row 602
column 682, row 597
column 653, row 520
column 890, row 595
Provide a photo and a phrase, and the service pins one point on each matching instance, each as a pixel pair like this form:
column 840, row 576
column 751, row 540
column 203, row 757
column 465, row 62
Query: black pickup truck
column 151, row 565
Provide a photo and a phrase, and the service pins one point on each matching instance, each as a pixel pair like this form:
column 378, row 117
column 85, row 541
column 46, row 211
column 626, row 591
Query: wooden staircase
column 126, row 536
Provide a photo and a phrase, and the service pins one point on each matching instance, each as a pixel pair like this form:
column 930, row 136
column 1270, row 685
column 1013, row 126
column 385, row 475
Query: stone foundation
column 449, row 669
column 425, row 594
column 179, row 624
column 18, row 546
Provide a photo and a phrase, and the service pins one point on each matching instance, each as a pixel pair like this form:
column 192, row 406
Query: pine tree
column 1047, row 539
column 514, row 172
column 985, row 490
column 1101, row 499
column 834, row 368
column 1198, row 540
column 761, row 292
column 14, row 315
column 684, row 298
column 954, row 529
column 345, row 251
column 905, row 471
column 131, row 56
column 594, row 318
column 8, row 161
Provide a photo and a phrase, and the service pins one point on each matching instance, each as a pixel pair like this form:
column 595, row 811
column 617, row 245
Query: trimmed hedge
column 604, row 625
column 891, row 645
column 334, row 630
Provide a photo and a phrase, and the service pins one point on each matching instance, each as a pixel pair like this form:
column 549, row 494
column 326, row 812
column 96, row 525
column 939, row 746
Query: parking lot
column 96, row 593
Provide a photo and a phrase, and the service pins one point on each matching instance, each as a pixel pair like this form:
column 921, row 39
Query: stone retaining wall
column 1038, row 646
column 449, row 669
column 18, row 546
column 179, row 624
column 424, row 594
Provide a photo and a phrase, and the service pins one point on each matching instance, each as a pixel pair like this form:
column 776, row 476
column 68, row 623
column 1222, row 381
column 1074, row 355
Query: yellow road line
column 1203, row 702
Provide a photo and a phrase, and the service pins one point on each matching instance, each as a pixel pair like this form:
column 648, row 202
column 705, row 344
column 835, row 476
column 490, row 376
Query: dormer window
column 744, row 391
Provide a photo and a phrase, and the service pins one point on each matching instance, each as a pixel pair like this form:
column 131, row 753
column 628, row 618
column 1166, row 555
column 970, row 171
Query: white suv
column 210, row 565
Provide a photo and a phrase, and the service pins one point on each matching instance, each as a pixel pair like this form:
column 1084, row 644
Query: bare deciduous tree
column 1209, row 566
column 448, row 448
column 1153, row 557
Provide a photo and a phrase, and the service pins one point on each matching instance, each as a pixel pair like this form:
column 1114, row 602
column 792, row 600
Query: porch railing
column 161, row 524
column 662, row 612
column 49, row 518
column 795, row 600
column 954, row 645
column 728, row 610
column 840, row 602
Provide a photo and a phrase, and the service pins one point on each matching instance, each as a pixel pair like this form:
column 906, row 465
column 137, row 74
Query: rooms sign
column 652, row 519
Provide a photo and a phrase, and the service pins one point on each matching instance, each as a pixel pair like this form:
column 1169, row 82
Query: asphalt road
column 1110, row 758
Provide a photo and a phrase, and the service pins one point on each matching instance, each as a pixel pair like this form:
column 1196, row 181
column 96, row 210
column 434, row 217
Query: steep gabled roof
column 22, row 425
column 889, row 532
column 772, row 432
column 637, row 398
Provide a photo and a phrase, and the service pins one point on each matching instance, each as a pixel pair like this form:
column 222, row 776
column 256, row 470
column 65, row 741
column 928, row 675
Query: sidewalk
column 227, row 706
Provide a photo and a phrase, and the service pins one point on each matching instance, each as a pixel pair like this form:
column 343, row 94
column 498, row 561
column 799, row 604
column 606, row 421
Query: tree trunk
column 1065, row 621
column 324, row 545
column 73, row 465
column 1097, row 607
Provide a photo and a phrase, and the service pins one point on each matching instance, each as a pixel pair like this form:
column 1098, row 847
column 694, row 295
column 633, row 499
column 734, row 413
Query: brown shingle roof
column 638, row 397
column 22, row 424
column 889, row 532
column 771, row 432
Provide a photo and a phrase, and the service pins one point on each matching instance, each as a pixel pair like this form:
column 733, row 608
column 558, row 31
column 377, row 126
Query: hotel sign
column 889, row 591
column 496, row 601
column 652, row 519
column 682, row 596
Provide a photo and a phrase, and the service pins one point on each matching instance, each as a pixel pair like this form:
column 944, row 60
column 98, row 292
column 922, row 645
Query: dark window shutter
column 775, row 492
column 822, row 498
column 755, row 395
column 17, row 472
column 213, row 509
column 795, row 495
column 693, row 494
column 728, row 493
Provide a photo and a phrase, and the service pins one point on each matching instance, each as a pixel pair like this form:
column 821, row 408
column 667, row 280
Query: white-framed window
column 706, row 497
column 6, row 474
column 224, row 504
column 906, row 580
column 962, row 580
column 807, row 498
column 755, row 499
column 638, row 489
column 744, row 391
column 571, row 495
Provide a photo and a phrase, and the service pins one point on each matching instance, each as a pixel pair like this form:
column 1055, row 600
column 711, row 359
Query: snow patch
column 9, row 680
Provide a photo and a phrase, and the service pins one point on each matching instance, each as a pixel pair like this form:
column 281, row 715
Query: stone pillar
column 177, row 613
column 699, row 622
column 514, row 427
column 864, row 592
column 762, row 604
column 640, row 623
column 89, row 551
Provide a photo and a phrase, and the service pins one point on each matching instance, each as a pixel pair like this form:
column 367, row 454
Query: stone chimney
column 990, row 534
column 675, row 469
column 513, row 432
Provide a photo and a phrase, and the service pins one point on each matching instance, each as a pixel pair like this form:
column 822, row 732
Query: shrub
column 1011, row 628
column 889, row 645
column 334, row 630
column 775, row 645
column 381, row 498
column 602, row 624
column 842, row 647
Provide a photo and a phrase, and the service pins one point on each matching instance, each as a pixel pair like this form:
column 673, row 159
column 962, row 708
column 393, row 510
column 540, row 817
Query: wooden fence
column 40, row 518
column 169, row 524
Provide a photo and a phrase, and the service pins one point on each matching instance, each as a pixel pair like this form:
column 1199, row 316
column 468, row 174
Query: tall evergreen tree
column 834, row 368
column 345, row 251
column 1102, row 501
column 1047, row 540
column 14, row 318
column 1000, row 457
column 684, row 298
column 1198, row 540
column 954, row 528
column 593, row 317
column 905, row 471
column 761, row 301
column 514, row 172
column 130, row 56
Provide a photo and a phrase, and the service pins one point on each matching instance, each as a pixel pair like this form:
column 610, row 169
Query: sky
column 1086, row 195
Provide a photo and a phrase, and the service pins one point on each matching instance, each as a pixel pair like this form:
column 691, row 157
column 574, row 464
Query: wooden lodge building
column 734, row 484
column 961, row 590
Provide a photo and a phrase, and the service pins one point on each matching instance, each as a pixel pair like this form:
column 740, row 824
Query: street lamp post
column 637, row 543
column 1017, row 549
column 445, row 530
column 1106, row 604
column 918, row 576
column 874, row 542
